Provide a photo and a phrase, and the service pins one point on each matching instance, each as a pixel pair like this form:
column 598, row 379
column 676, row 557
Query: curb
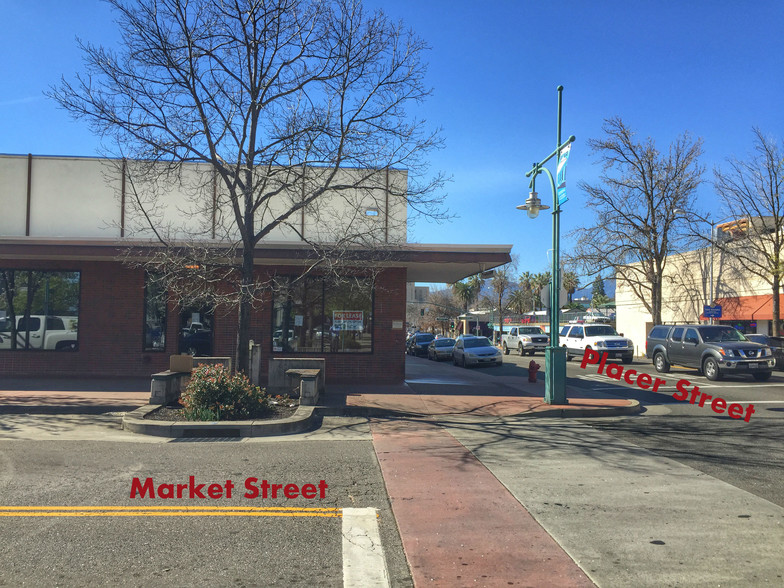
column 301, row 421
column 634, row 407
column 305, row 417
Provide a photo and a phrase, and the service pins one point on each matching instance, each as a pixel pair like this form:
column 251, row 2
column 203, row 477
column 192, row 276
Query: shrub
column 213, row 393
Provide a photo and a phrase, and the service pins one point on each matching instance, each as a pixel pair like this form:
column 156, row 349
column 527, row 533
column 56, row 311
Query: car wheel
column 660, row 363
column 628, row 360
column 762, row 376
column 506, row 349
column 568, row 357
column 710, row 368
column 520, row 350
column 532, row 352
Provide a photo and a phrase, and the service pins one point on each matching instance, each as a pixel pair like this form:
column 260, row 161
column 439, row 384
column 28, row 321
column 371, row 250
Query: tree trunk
column 245, row 307
column 776, row 305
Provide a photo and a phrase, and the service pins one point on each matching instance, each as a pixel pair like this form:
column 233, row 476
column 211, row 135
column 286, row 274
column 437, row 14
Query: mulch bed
column 174, row 412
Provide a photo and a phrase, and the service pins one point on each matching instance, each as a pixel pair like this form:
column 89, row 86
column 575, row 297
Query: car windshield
column 477, row 342
column 445, row 342
column 763, row 339
column 599, row 331
column 716, row 334
column 424, row 338
column 531, row 331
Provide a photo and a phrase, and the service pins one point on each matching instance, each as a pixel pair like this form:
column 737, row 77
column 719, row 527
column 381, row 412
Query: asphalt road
column 180, row 550
column 748, row 455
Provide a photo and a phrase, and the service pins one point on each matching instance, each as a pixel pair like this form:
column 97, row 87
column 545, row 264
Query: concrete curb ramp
column 299, row 422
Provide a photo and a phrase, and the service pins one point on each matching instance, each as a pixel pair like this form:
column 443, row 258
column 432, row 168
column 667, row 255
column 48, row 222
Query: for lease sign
column 347, row 320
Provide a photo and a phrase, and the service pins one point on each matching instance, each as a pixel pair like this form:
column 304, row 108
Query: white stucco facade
column 75, row 197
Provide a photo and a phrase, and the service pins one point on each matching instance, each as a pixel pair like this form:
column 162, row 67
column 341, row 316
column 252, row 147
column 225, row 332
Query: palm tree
column 467, row 291
column 538, row 282
column 519, row 300
column 570, row 283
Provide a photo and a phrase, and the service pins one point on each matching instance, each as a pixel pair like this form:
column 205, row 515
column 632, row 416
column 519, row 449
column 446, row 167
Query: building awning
column 424, row 262
column 748, row 308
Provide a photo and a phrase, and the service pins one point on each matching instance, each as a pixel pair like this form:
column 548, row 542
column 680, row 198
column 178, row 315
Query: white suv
column 602, row 338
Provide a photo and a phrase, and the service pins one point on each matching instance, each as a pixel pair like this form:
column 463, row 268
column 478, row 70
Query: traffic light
column 421, row 312
column 452, row 325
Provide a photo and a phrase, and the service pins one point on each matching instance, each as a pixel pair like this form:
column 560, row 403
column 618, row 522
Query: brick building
column 79, row 311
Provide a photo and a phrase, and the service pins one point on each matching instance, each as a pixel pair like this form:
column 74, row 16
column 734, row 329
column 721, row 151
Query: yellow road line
column 158, row 513
column 166, row 511
column 182, row 507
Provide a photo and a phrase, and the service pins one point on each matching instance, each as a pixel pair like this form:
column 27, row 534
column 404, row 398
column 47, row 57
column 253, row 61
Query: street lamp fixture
column 533, row 205
column 555, row 355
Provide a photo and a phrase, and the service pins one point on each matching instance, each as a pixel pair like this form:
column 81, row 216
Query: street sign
column 545, row 297
column 442, row 319
column 709, row 311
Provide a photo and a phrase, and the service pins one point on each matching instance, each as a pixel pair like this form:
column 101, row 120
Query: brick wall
column 111, row 321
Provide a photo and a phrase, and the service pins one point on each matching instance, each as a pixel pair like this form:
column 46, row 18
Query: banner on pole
column 560, row 177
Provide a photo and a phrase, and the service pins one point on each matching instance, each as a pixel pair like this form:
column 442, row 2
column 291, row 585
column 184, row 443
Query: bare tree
column 283, row 107
column 751, row 193
column 634, row 205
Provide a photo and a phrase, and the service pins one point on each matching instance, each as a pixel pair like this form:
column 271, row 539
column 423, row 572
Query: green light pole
column 555, row 356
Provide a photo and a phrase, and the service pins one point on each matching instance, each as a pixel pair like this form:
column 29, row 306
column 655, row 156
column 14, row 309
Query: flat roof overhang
column 424, row 262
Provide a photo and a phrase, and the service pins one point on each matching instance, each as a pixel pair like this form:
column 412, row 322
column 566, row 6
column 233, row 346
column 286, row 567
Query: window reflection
column 155, row 300
column 313, row 315
column 39, row 310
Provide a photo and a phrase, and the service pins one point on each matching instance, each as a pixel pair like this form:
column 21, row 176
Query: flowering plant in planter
column 213, row 393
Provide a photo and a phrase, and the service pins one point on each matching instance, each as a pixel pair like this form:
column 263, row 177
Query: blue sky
column 713, row 68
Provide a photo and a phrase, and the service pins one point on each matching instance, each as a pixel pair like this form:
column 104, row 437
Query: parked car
column 776, row 345
column 603, row 338
column 470, row 351
column 525, row 340
column 417, row 344
column 440, row 348
column 715, row 350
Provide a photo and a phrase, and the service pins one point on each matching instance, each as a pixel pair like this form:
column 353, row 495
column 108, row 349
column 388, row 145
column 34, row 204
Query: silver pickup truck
column 525, row 340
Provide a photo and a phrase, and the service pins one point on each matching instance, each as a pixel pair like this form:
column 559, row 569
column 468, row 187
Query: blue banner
column 560, row 177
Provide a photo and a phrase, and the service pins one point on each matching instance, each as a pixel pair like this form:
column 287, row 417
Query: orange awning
column 748, row 308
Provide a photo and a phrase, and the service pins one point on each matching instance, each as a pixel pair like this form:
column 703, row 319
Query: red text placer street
column 255, row 489
column 617, row 372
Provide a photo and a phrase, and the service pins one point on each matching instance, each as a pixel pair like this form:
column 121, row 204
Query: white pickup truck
column 525, row 340
column 57, row 333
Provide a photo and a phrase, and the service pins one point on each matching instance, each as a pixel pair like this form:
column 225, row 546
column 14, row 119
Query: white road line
column 364, row 564
column 756, row 401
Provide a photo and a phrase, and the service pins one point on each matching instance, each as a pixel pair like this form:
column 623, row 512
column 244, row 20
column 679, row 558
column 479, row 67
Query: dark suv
column 714, row 349
column 417, row 344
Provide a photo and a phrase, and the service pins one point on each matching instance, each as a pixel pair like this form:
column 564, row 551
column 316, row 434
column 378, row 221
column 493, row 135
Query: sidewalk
column 72, row 395
column 441, row 390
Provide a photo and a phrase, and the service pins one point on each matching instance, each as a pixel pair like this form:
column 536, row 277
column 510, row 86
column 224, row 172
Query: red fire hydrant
column 533, row 367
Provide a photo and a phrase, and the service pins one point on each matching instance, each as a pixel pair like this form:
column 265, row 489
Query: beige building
column 746, row 299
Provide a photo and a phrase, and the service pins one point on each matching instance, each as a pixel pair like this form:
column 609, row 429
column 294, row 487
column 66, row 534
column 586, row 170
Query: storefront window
column 313, row 315
column 155, row 299
column 39, row 310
